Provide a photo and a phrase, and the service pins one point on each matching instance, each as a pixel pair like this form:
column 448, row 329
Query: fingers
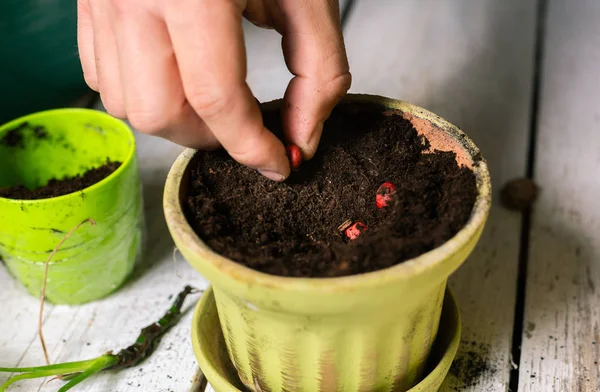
column 107, row 62
column 85, row 43
column 209, row 47
column 154, row 98
column 314, row 50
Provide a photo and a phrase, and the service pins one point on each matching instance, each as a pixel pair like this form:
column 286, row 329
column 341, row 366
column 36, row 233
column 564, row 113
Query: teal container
column 39, row 62
column 95, row 260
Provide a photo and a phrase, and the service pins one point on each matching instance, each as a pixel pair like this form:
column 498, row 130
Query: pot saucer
column 212, row 356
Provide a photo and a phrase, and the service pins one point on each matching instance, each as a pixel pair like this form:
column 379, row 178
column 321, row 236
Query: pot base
column 212, row 356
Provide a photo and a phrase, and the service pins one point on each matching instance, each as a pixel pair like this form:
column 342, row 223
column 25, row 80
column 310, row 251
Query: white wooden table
column 521, row 78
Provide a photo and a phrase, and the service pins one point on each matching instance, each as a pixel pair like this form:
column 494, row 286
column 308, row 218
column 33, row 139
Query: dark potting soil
column 471, row 364
column 55, row 187
column 291, row 228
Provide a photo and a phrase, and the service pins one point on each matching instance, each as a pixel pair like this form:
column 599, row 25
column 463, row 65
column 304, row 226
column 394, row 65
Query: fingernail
column 271, row 175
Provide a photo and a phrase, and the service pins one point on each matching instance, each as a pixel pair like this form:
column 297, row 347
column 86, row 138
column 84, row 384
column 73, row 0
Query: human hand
column 177, row 69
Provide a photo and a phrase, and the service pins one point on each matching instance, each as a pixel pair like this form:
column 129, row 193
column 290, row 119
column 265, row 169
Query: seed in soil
column 355, row 230
column 292, row 228
column 385, row 194
column 519, row 194
column 294, row 155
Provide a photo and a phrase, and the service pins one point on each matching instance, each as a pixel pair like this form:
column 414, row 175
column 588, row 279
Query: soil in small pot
column 56, row 187
column 297, row 228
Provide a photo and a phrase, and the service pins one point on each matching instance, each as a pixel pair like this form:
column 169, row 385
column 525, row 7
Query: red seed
column 354, row 230
column 294, row 155
column 385, row 194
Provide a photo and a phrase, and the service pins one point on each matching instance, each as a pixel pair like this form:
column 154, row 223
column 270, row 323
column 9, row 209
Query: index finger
column 314, row 52
column 208, row 40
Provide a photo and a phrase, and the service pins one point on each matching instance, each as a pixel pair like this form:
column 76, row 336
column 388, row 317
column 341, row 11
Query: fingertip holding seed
column 294, row 155
column 355, row 230
column 385, row 194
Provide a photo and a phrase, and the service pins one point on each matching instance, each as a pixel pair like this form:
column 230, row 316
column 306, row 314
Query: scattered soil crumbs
column 291, row 228
column 56, row 187
column 16, row 136
column 470, row 364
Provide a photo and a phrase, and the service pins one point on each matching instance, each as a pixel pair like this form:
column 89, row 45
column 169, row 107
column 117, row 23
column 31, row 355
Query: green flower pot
column 367, row 332
column 95, row 260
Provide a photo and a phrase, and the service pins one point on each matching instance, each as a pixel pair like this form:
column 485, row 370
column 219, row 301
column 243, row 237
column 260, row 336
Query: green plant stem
column 61, row 368
column 102, row 363
column 19, row 377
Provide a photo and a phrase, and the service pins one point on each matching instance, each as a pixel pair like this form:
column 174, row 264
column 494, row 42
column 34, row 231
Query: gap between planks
column 515, row 372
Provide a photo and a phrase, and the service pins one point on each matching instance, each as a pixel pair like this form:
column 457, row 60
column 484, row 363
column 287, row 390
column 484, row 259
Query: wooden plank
column 470, row 62
column 561, row 342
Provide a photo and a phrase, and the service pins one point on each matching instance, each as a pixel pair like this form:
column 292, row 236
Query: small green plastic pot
column 95, row 260
column 367, row 332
